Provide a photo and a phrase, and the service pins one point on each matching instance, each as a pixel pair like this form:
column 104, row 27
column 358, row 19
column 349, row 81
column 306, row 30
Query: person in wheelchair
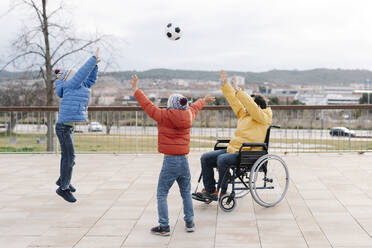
column 254, row 119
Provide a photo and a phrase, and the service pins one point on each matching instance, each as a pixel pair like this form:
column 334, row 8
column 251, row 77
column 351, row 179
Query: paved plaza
column 328, row 204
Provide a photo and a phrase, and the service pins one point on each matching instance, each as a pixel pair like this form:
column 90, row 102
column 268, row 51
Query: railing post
column 216, row 124
column 55, row 134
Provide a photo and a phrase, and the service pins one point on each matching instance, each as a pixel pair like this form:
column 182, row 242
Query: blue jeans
column 222, row 161
column 175, row 168
column 65, row 136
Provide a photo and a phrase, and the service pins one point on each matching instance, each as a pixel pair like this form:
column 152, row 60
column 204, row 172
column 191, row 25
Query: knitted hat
column 62, row 75
column 177, row 101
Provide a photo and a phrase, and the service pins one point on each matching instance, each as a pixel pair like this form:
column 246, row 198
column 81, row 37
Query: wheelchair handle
column 274, row 126
column 263, row 145
column 223, row 141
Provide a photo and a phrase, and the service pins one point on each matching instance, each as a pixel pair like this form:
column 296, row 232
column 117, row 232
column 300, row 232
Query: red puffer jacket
column 173, row 124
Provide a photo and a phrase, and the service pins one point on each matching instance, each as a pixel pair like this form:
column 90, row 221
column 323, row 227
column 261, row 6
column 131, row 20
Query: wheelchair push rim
column 269, row 180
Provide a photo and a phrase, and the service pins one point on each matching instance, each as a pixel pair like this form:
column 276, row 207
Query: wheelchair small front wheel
column 227, row 203
column 269, row 180
column 241, row 183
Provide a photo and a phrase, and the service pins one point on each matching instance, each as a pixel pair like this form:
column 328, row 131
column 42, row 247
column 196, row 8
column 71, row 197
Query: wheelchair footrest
column 198, row 197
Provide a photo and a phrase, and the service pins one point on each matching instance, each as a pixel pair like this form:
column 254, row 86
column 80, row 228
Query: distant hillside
column 316, row 76
column 7, row 75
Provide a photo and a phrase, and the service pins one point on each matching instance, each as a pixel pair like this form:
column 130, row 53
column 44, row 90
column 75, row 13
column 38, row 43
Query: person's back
column 174, row 125
column 253, row 120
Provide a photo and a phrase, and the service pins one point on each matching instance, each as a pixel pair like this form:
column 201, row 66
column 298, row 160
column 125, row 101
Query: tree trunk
column 108, row 128
column 109, row 122
column 48, row 80
column 12, row 124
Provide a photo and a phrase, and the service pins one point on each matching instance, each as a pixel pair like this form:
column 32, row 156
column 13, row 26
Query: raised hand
column 97, row 56
column 209, row 98
column 223, row 77
column 134, row 82
column 236, row 84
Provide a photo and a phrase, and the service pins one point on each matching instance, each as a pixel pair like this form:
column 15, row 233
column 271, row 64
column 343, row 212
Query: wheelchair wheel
column 240, row 188
column 269, row 180
column 227, row 203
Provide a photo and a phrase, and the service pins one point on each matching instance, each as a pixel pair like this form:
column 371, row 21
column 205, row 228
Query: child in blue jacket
column 75, row 94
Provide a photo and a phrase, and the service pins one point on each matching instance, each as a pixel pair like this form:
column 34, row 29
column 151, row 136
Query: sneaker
column 72, row 188
column 159, row 230
column 66, row 194
column 190, row 227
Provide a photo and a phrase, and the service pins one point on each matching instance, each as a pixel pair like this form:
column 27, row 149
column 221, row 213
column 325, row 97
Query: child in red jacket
column 174, row 125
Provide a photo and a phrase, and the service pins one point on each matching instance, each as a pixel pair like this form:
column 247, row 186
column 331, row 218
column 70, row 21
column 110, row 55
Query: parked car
column 95, row 127
column 341, row 131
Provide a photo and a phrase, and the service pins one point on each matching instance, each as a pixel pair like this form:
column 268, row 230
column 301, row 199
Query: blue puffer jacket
column 75, row 93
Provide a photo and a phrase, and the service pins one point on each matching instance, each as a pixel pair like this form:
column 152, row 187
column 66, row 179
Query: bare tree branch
column 37, row 10
column 20, row 56
column 55, row 11
column 42, row 73
column 10, row 10
column 76, row 50
column 60, row 45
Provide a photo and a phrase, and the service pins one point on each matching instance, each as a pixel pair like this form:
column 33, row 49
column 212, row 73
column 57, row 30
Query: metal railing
column 130, row 130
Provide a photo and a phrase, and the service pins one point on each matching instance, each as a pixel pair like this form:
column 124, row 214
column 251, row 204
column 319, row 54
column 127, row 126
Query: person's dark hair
column 260, row 101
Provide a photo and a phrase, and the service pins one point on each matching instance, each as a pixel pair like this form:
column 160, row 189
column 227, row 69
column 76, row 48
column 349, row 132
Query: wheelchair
column 263, row 175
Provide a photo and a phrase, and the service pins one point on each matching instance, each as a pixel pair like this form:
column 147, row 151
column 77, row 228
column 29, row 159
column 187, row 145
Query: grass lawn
column 99, row 142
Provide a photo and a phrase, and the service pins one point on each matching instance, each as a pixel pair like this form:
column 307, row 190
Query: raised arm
column 199, row 104
column 258, row 114
column 229, row 94
column 82, row 74
column 153, row 111
column 92, row 78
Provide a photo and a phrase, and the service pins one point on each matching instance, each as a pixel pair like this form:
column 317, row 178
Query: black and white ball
column 173, row 32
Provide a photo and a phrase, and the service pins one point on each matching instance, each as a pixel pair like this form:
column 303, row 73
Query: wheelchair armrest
column 221, row 141
column 263, row 145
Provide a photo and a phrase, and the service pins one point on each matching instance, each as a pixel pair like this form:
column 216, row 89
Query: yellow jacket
column 253, row 121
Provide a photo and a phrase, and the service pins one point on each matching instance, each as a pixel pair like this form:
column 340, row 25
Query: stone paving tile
column 9, row 241
column 100, row 242
column 328, row 204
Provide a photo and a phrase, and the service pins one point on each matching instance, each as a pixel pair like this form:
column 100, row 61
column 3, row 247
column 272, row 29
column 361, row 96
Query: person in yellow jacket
column 254, row 120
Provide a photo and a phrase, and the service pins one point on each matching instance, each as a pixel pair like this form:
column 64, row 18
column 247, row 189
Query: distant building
column 328, row 99
column 313, row 99
column 129, row 100
column 334, row 99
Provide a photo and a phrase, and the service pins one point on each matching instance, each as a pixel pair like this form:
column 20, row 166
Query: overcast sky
column 244, row 35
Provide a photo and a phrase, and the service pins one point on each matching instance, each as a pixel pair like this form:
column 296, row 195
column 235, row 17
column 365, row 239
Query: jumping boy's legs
column 65, row 137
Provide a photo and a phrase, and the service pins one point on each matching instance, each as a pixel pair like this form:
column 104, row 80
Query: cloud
column 244, row 35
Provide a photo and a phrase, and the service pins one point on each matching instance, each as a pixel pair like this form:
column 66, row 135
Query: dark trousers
column 222, row 161
column 65, row 136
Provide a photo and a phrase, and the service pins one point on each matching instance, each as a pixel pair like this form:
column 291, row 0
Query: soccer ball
column 173, row 32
